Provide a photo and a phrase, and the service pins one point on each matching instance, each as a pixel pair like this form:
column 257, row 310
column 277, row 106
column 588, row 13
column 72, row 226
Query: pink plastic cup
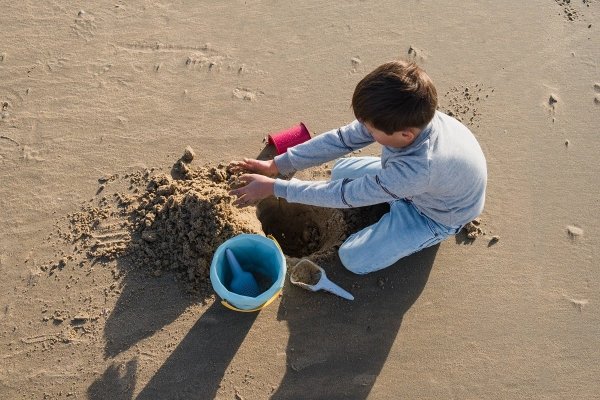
column 289, row 138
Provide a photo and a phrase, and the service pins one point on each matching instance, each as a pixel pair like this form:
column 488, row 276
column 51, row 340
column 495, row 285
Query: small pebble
column 188, row 154
column 574, row 230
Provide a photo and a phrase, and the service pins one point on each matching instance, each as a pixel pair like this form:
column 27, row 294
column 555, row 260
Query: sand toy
column 242, row 282
column 289, row 138
column 310, row 276
column 258, row 255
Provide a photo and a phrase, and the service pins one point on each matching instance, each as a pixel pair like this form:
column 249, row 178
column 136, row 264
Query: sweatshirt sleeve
column 324, row 147
column 398, row 180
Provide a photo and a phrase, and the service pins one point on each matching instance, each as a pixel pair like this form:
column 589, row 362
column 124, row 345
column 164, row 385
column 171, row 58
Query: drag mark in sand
column 199, row 58
column 199, row 61
column 578, row 304
column 10, row 139
column 205, row 62
column 165, row 47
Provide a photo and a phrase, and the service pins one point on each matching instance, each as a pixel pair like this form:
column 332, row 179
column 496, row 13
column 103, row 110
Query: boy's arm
column 397, row 181
column 324, row 147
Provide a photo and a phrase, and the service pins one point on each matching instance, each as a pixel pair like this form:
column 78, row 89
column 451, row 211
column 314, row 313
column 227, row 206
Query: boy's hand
column 266, row 167
column 257, row 188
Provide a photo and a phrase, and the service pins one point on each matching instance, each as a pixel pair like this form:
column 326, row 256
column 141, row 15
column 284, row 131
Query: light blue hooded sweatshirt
column 443, row 172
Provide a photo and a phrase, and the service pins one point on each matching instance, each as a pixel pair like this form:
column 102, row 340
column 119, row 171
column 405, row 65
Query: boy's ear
column 408, row 134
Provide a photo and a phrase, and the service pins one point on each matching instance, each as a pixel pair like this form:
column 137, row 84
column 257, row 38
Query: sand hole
column 301, row 230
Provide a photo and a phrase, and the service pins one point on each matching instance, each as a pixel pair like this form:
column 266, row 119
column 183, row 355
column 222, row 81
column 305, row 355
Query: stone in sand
column 188, row 154
column 574, row 231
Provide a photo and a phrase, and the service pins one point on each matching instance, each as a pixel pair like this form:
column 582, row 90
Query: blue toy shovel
column 242, row 282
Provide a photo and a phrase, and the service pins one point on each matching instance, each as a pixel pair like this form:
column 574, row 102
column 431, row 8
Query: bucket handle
column 276, row 242
column 266, row 303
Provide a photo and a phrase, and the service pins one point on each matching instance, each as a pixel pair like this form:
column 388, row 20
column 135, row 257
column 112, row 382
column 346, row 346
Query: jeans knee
column 337, row 171
column 350, row 262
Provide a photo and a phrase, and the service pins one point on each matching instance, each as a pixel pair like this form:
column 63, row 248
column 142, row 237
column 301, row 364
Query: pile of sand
column 160, row 223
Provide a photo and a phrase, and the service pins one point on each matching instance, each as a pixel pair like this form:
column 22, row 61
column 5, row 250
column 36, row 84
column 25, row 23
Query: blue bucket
column 259, row 255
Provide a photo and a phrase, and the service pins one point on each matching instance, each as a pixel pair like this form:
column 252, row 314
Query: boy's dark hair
column 395, row 96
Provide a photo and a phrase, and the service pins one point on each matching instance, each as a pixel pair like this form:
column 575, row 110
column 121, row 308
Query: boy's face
column 397, row 139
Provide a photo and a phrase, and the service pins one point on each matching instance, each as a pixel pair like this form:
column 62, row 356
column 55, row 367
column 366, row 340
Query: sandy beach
column 108, row 224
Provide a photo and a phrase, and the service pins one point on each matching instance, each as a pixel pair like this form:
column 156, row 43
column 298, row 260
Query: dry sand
column 106, row 231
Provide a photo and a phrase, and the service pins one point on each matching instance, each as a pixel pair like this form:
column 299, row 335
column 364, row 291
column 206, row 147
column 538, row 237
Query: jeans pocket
column 433, row 226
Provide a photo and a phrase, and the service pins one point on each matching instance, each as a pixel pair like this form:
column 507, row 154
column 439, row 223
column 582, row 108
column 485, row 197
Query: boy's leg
column 399, row 233
column 355, row 167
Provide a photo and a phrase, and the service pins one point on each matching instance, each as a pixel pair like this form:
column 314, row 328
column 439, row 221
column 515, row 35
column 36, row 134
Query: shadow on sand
column 196, row 367
column 144, row 307
column 117, row 382
column 336, row 348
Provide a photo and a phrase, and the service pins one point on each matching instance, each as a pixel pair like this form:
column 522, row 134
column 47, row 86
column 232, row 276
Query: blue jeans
column 402, row 231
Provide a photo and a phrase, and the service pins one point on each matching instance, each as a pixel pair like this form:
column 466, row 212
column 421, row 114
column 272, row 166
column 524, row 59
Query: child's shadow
column 196, row 367
column 337, row 348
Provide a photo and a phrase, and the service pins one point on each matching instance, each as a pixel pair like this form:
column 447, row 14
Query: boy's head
column 396, row 96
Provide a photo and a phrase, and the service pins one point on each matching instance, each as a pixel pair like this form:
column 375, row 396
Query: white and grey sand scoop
column 310, row 276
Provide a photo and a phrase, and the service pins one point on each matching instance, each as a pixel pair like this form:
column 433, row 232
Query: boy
column 431, row 171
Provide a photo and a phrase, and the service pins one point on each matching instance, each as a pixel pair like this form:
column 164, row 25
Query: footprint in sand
column 10, row 101
column 597, row 96
column 29, row 154
column 4, row 109
column 84, row 25
column 246, row 94
column 56, row 64
column 416, row 54
column 574, row 231
column 553, row 100
column 356, row 62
